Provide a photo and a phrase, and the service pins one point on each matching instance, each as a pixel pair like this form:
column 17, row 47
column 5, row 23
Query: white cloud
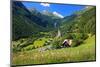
column 57, row 14
column 45, row 4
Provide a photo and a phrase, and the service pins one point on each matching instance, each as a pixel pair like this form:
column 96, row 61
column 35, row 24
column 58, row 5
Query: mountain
column 83, row 22
column 22, row 25
column 46, row 19
column 53, row 15
column 26, row 22
column 30, row 21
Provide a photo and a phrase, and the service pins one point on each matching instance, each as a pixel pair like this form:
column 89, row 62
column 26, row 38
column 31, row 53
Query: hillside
column 85, row 52
column 82, row 22
column 22, row 25
column 27, row 22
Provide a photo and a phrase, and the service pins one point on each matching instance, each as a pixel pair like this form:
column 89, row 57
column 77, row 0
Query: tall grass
column 84, row 52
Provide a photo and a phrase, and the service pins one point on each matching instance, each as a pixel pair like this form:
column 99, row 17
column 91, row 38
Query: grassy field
column 40, row 42
column 84, row 52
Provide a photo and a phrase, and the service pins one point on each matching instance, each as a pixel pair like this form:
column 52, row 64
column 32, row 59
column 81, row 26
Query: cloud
column 45, row 4
column 57, row 14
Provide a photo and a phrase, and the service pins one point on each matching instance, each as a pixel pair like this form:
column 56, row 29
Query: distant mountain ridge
column 27, row 22
column 83, row 22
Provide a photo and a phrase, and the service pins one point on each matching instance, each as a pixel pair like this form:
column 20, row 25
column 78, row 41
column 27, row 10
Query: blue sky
column 62, row 9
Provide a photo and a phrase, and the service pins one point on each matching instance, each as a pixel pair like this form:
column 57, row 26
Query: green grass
column 36, row 44
column 84, row 52
column 40, row 42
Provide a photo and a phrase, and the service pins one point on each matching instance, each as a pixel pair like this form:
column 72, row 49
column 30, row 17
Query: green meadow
column 85, row 52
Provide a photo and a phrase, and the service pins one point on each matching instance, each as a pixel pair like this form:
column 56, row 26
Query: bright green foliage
column 42, row 42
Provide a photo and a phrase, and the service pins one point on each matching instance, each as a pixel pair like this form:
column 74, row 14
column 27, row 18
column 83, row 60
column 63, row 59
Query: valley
column 39, row 37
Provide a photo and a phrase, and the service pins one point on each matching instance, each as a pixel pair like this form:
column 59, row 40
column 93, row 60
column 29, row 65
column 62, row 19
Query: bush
column 84, row 36
column 30, row 47
column 69, row 36
column 45, row 44
column 78, row 39
column 56, row 44
column 80, row 36
column 16, row 49
column 76, row 42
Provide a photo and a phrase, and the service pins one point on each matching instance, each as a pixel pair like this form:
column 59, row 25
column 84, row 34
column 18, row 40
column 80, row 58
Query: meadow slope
column 84, row 52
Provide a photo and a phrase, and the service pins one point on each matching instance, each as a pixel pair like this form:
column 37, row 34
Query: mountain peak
column 45, row 12
column 57, row 14
column 32, row 9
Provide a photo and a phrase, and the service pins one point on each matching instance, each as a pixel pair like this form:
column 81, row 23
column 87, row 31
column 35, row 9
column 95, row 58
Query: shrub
column 30, row 47
column 84, row 36
column 78, row 39
column 69, row 36
column 76, row 42
column 45, row 44
column 57, row 43
column 16, row 49
column 40, row 39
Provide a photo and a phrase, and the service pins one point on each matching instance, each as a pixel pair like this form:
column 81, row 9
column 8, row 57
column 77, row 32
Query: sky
column 61, row 10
